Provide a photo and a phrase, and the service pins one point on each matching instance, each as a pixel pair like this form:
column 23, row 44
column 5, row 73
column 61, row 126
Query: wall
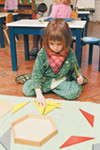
column 97, row 10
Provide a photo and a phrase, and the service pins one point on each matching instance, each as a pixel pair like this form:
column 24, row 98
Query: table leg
column 13, row 49
column 1, row 34
column 86, row 26
column 78, row 45
column 26, row 47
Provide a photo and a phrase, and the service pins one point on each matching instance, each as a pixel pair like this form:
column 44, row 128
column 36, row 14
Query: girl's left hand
column 80, row 79
column 15, row 10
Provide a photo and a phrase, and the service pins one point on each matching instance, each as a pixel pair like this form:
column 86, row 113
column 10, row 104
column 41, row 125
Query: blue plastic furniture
column 91, row 41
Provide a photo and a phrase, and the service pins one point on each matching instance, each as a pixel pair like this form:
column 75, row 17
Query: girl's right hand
column 41, row 100
column 40, row 97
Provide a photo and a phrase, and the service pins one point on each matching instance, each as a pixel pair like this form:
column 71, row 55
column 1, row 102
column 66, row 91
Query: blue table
column 85, row 15
column 2, row 18
column 27, row 27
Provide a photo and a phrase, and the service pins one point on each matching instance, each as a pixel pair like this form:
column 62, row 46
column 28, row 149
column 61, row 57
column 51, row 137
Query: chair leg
column 16, row 39
column 72, row 45
column 7, row 37
column 99, row 59
column 81, row 54
column 90, row 54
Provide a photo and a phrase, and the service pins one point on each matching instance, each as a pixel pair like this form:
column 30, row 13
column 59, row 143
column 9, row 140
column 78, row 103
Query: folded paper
column 50, row 106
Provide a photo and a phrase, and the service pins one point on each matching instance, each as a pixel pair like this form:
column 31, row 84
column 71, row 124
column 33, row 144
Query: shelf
column 23, row 9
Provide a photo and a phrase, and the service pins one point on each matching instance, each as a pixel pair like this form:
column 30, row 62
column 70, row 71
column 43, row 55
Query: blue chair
column 91, row 41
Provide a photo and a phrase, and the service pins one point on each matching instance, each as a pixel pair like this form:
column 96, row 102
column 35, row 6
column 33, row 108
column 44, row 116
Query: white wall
column 97, row 10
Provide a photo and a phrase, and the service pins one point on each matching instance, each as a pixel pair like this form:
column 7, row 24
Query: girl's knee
column 74, row 91
column 27, row 91
column 68, row 90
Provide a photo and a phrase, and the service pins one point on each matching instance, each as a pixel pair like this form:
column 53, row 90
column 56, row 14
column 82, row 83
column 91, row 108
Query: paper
column 88, row 116
column 5, row 139
column 75, row 140
column 19, row 106
column 50, row 106
column 5, row 107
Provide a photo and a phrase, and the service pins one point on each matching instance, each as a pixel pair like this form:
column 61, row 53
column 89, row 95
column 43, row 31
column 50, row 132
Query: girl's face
column 56, row 46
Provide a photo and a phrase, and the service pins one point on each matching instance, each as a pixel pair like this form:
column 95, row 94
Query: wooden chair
column 5, row 30
column 74, row 14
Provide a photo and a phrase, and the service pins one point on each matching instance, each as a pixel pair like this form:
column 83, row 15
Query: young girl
column 54, row 66
column 61, row 9
column 11, row 5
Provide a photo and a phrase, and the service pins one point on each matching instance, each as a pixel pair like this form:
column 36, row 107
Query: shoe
column 34, row 51
column 85, row 80
column 21, row 79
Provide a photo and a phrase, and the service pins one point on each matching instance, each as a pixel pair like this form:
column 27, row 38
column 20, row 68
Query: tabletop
column 83, row 12
column 5, row 14
column 36, row 23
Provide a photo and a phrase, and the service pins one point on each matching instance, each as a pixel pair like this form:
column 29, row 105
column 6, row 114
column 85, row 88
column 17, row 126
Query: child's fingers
column 44, row 104
column 41, row 103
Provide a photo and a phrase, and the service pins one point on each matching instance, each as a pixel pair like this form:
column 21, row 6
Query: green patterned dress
column 64, row 83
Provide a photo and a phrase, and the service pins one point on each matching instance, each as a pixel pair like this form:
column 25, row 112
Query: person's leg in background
column 36, row 47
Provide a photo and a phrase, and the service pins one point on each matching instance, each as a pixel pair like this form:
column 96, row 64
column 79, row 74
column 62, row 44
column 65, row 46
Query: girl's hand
column 41, row 100
column 40, row 97
column 15, row 10
column 80, row 79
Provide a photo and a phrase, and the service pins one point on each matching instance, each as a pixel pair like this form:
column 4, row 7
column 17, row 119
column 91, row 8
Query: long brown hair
column 57, row 29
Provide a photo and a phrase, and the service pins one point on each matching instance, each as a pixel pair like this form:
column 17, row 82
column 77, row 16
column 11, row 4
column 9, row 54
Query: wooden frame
column 42, row 126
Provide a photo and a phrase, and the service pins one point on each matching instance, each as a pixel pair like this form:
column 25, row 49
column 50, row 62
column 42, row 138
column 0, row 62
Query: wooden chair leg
column 90, row 54
column 7, row 37
column 16, row 39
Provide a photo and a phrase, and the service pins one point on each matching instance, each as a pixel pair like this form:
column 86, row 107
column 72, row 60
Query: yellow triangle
column 50, row 106
column 19, row 106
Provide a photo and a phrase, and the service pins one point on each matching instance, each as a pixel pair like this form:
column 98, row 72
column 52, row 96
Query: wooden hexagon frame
column 33, row 129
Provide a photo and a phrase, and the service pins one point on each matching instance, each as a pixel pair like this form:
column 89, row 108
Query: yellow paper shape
column 50, row 106
column 19, row 106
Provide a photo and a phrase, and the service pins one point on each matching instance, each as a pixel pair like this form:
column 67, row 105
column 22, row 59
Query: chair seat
column 90, row 40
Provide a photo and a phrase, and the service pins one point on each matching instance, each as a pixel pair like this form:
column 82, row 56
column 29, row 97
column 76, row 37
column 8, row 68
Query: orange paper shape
column 75, row 140
column 88, row 116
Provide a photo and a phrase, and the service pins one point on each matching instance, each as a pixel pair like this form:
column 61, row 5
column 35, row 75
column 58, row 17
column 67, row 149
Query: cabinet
column 26, row 8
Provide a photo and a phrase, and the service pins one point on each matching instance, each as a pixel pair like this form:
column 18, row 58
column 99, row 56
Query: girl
column 61, row 9
column 54, row 66
column 11, row 5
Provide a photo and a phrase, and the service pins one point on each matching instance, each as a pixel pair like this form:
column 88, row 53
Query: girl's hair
column 42, row 7
column 59, row 30
column 63, row 1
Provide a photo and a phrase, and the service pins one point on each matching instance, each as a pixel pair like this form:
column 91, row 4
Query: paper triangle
column 5, row 139
column 50, row 106
column 96, row 146
column 5, row 107
column 19, row 106
column 88, row 116
column 75, row 140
